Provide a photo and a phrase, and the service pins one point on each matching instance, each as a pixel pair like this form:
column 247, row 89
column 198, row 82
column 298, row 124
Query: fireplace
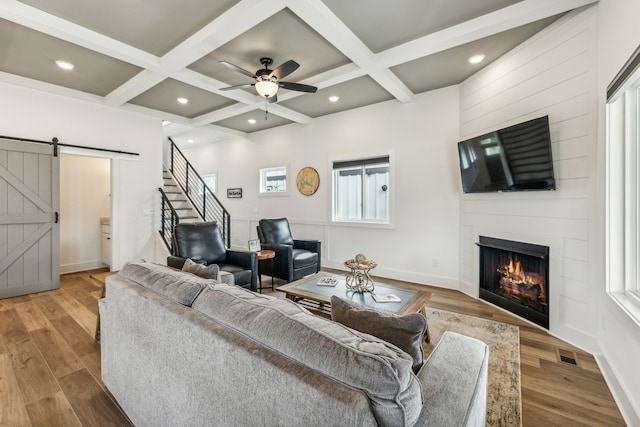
column 515, row 276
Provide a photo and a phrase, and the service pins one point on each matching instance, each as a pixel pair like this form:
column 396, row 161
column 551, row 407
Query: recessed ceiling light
column 65, row 65
column 190, row 141
column 476, row 58
column 252, row 121
column 182, row 100
column 334, row 98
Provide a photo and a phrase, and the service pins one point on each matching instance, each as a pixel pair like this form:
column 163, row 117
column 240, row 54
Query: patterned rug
column 503, row 394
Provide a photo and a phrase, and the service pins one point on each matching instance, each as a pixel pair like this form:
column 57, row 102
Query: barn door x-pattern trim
column 29, row 236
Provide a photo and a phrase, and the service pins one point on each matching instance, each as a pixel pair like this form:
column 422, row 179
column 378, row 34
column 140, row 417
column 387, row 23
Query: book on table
column 385, row 298
column 328, row 281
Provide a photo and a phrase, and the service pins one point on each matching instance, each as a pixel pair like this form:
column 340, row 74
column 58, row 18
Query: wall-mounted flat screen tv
column 516, row 158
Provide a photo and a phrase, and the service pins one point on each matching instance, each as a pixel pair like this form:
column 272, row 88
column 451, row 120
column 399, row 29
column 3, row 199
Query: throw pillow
column 211, row 271
column 405, row 332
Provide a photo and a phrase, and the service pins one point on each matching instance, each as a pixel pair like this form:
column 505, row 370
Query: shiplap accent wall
column 551, row 74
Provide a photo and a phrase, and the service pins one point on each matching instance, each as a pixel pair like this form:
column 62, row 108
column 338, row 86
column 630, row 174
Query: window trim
column 346, row 160
column 261, row 179
column 622, row 189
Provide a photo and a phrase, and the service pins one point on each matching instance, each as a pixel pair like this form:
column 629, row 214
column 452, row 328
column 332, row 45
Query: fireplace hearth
column 515, row 276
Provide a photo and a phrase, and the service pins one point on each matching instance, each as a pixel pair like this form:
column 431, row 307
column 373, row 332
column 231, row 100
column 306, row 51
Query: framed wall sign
column 234, row 193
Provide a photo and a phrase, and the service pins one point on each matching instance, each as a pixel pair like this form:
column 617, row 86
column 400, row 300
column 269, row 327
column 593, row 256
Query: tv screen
column 516, row 158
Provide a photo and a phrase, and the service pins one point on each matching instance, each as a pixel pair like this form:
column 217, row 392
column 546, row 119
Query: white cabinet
column 106, row 242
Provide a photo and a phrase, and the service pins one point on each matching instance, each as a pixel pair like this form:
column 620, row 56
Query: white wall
column 420, row 137
column 552, row 74
column 563, row 72
column 618, row 335
column 85, row 187
column 28, row 113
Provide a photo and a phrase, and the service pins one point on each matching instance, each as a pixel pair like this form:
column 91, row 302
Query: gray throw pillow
column 211, row 271
column 405, row 332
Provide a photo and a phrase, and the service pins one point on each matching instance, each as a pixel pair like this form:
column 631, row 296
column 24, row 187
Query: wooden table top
column 266, row 254
column 414, row 298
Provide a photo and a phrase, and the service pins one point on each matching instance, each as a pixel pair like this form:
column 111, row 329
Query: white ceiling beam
column 222, row 114
column 49, row 88
column 516, row 15
column 35, row 19
column 288, row 114
column 321, row 19
column 237, row 20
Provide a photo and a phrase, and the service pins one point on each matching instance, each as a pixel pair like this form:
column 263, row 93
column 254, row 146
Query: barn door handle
column 55, row 218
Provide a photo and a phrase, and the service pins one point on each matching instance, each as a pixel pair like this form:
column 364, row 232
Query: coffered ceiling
column 143, row 55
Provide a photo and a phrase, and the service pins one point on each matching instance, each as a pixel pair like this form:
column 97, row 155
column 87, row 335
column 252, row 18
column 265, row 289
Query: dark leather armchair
column 202, row 242
column 294, row 258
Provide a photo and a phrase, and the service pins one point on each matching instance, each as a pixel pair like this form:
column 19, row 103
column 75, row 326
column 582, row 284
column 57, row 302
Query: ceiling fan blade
column 285, row 69
column 298, row 86
column 272, row 99
column 238, row 69
column 238, row 86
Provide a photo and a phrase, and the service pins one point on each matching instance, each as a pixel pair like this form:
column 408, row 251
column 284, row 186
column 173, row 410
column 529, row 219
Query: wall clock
column 308, row 181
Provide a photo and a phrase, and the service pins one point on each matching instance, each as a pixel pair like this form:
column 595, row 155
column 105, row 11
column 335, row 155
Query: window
column 273, row 180
column 623, row 191
column 210, row 181
column 361, row 190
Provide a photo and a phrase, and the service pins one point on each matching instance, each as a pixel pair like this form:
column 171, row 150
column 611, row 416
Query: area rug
column 503, row 394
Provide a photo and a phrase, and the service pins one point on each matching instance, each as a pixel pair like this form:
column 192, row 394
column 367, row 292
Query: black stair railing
column 200, row 195
column 169, row 219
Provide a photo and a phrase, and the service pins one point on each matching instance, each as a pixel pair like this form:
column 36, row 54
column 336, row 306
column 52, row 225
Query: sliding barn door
column 29, row 229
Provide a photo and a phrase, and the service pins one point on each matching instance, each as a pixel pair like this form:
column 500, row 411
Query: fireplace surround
column 515, row 276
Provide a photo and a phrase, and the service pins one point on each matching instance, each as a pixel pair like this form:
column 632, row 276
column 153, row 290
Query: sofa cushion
column 330, row 348
column 405, row 332
column 211, row 271
column 176, row 285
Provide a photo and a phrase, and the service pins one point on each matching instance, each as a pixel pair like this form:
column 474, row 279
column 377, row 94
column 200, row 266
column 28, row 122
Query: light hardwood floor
column 50, row 363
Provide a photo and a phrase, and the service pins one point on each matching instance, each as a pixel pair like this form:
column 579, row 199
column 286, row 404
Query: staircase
column 179, row 201
column 186, row 198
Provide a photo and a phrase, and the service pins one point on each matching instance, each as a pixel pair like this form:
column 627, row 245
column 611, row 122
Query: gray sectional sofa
column 178, row 350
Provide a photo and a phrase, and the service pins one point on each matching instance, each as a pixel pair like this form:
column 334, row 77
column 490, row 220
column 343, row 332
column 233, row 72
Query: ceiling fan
column 268, row 81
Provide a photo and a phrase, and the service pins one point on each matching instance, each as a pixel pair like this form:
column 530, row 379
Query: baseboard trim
column 81, row 266
column 629, row 413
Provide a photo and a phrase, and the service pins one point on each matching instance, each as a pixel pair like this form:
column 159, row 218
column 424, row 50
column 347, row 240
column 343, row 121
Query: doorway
column 85, row 212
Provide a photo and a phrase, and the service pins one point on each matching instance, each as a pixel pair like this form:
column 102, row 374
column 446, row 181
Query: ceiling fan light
column 266, row 88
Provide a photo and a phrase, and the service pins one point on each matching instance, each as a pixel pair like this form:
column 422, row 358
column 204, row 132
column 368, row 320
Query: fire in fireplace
column 514, row 276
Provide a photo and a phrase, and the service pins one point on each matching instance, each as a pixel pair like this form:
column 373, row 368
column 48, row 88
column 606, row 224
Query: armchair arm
column 283, row 262
column 456, row 371
column 310, row 245
column 246, row 259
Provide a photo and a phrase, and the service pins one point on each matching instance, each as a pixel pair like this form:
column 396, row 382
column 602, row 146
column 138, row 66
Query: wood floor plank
column 48, row 306
column 90, row 402
column 558, row 409
column 32, row 317
column 76, row 336
column 53, row 411
column 32, row 372
column 81, row 314
column 60, row 357
column 568, row 387
column 12, row 409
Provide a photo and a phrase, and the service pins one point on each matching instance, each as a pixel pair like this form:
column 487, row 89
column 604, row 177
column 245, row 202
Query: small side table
column 263, row 256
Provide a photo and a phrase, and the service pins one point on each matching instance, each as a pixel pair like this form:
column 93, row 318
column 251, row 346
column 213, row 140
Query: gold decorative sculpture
column 358, row 279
